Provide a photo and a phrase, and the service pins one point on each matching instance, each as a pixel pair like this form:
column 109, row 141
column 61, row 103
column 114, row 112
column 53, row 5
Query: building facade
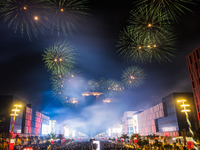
column 174, row 122
column 147, row 119
column 166, row 118
column 128, row 122
column 29, row 120
column 193, row 62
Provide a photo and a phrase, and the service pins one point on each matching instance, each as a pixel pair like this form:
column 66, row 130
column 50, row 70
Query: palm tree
column 124, row 136
column 60, row 136
column 133, row 136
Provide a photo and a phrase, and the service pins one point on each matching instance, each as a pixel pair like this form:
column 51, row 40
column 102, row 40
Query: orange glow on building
column 73, row 100
column 106, row 101
column 24, row 7
column 109, row 100
column 91, row 93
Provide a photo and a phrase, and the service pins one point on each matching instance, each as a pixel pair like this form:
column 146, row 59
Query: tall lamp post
column 14, row 114
column 184, row 105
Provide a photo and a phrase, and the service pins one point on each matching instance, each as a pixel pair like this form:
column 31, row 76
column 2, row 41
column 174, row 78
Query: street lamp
column 184, row 105
column 14, row 114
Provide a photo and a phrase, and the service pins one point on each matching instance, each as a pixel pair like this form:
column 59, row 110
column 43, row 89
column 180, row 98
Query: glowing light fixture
column 182, row 100
column 187, row 110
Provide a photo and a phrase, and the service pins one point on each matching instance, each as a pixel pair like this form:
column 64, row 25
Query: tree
column 124, row 136
column 60, row 136
column 157, row 144
column 47, row 143
column 133, row 136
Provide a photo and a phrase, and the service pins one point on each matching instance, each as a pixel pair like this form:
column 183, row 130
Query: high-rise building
column 193, row 62
column 166, row 118
column 128, row 122
column 29, row 120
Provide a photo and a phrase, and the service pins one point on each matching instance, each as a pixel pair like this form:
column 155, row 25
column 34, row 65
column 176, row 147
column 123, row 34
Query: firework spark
column 131, row 47
column 146, row 50
column 64, row 14
column 23, row 15
column 113, row 88
column 59, row 58
column 133, row 77
column 149, row 23
column 173, row 8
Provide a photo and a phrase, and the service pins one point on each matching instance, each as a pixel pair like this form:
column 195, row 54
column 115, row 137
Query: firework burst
column 131, row 47
column 161, row 51
column 146, row 50
column 173, row 8
column 64, row 14
column 113, row 88
column 148, row 38
column 149, row 23
column 59, row 58
column 133, row 77
column 24, row 16
column 68, row 86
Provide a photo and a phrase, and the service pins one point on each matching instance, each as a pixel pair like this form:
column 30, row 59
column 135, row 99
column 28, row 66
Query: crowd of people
column 83, row 145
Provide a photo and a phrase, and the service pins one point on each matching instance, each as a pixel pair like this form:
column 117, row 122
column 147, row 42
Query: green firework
column 131, row 46
column 113, row 88
column 149, row 23
column 146, row 50
column 24, row 16
column 59, row 58
column 162, row 50
column 65, row 14
column 60, row 83
column 173, row 8
column 133, row 77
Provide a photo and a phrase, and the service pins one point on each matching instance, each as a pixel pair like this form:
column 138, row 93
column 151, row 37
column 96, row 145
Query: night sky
column 24, row 75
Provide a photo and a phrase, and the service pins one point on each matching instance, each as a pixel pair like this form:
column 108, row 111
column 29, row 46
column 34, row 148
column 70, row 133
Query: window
column 197, row 54
column 190, row 59
column 131, row 128
column 196, row 65
column 189, row 70
column 193, row 85
column 194, row 56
